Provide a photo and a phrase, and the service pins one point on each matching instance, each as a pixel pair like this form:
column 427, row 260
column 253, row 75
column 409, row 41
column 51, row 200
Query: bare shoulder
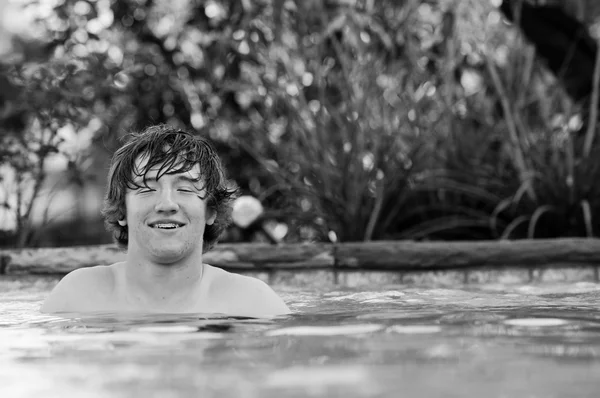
column 78, row 289
column 244, row 295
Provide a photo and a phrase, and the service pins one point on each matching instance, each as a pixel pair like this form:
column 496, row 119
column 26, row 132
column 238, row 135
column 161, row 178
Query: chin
column 167, row 256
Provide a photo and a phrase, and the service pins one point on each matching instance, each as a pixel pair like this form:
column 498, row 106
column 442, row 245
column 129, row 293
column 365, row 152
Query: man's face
column 166, row 220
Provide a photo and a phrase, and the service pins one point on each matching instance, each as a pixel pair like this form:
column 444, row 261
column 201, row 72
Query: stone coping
column 323, row 279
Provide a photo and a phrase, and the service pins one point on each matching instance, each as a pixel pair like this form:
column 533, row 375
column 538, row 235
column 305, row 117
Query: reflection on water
column 492, row 341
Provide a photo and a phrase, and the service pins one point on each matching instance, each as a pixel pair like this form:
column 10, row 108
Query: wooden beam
column 408, row 255
column 352, row 256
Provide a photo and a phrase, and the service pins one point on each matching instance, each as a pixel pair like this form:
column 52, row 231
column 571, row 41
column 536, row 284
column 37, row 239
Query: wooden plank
column 406, row 255
column 377, row 255
column 62, row 260
column 267, row 253
column 59, row 260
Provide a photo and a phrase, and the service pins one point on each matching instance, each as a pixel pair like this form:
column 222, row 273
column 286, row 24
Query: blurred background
column 340, row 120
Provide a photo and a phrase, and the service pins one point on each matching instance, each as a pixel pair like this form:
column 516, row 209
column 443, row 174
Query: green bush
column 348, row 120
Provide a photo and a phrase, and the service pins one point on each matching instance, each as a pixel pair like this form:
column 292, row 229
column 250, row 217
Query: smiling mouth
column 166, row 226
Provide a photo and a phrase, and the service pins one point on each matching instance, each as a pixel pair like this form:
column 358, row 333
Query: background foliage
column 348, row 120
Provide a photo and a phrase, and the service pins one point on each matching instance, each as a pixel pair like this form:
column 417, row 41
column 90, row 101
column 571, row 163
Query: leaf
column 506, row 234
column 535, row 217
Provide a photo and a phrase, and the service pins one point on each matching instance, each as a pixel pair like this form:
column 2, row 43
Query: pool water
column 385, row 341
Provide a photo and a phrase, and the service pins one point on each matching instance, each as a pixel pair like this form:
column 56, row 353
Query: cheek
column 128, row 205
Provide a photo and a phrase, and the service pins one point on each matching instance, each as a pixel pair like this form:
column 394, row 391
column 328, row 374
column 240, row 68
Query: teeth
column 165, row 226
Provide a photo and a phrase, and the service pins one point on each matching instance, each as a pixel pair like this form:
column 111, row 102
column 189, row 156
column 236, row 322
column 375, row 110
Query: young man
column 167, row 203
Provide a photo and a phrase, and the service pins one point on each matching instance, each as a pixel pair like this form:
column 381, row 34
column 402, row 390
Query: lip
column 166, row 231
column 166, row 221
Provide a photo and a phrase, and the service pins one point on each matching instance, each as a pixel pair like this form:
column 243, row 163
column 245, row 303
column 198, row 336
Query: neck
column 160, row 286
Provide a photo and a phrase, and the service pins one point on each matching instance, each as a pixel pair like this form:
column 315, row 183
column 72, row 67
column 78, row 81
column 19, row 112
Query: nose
column 165, row 202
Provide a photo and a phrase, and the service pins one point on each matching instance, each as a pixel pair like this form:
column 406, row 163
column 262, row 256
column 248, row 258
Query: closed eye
column 185, row 190
column 146, row 190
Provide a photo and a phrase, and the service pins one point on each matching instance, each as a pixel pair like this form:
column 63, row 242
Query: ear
column 122, row 222
column 211, row 215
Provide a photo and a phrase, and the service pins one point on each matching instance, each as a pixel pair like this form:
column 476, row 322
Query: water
column 390, row 341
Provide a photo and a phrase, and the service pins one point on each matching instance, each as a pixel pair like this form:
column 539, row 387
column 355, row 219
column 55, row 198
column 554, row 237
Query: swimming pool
column 487, row 340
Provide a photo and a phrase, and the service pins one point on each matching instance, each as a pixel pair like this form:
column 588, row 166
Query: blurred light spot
column 197, row 120
column 314, row 105
column 106, row 17
column 471, row 81
column 80, row 50
column 139, row 14
column 170, row 43
column 100, row 47
column 244, row 48
column 383, row 81
column 82, row 8
column 332, row 236
column 501, row 55
column 368, row 161
column 431, row 91
column 183, row 72
column 215, row 102
column 412, row 115
column 213, row 10
column 219, row 71
column 178, row 58
column 246, row 210
column 305, row 204
column 307, row 79
column 575, row 123
column 276, row 130
column 493, row 18
column 244, row 99
column 150, row 70
column 94, row 26
column 277, row 230
column 80, row 36
column 365, row 37
column 460, row 107
column 299, row 67
column 557, row 120
column 127, row 21
column 238, row 34
column 221, row 132
column 422, row 90
column 188, row 47
column 44, row 10
column 164, row 26
column 121, row 80
column 168, row 110
column 89, row 93
column 292, row 90
column 595, row 30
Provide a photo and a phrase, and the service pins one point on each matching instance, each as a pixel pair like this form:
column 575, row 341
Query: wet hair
column 172, row 151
